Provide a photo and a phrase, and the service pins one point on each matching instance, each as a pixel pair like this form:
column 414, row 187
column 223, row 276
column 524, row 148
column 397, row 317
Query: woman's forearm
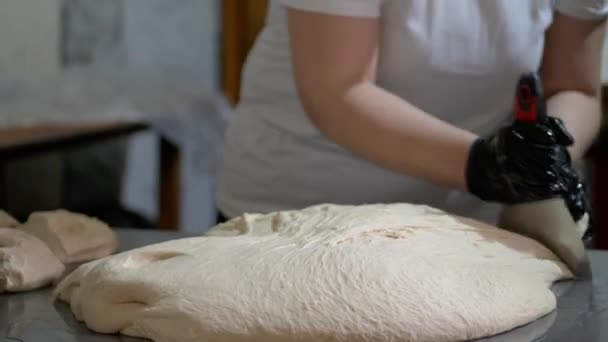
column 581, row 115
column 571, row 69
column 334, row 59
column 394, row 134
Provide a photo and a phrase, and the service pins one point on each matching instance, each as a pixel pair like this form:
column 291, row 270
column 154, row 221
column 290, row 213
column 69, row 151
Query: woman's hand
column 528, row 162
column 571, row 72
column 520, row 163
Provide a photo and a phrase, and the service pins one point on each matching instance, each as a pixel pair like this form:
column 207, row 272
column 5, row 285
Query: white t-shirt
column 458, row 60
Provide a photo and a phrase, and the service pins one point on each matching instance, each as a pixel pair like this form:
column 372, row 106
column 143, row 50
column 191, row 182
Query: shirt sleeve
column 347, row 8
column 585, row 9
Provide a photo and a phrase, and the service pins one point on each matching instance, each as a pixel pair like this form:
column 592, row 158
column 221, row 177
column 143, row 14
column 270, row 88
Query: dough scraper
column 549, row 221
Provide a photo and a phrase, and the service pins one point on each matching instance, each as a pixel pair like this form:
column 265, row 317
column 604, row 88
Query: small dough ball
column 7, row 221
column 26, row 262
column 74, row 238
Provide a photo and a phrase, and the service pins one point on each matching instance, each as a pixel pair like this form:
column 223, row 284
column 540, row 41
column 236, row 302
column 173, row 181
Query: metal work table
column 582, row 313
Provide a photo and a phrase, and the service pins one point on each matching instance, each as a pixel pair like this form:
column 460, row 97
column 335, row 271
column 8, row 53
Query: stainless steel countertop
column 582, row 313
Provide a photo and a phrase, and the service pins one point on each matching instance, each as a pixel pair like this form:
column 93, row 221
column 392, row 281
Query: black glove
column 522, row 162
column 578, row 202
column 528, row 160
column 576, row 194
column 552, row 132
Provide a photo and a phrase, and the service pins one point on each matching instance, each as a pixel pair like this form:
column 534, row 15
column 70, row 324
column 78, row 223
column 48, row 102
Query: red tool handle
column 529, row 99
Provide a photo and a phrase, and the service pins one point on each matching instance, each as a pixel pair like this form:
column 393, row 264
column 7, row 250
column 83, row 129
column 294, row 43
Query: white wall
column 29, row 45
column 180, row 33
column 29, row 34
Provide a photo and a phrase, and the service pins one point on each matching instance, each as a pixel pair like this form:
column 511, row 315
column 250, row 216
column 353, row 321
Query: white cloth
column 458, row 60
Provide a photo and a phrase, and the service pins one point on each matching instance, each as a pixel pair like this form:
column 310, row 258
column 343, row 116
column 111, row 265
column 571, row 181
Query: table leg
column 600, row 205
column 170, row 186
column 2, row 185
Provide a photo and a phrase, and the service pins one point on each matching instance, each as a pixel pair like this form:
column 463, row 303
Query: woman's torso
column 458, row 60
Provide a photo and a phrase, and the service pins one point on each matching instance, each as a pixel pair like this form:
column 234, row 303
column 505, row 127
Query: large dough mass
column 72, row 237
column 26, row 263
column 394, row 272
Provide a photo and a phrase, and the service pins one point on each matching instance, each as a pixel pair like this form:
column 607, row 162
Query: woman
column 367, row 101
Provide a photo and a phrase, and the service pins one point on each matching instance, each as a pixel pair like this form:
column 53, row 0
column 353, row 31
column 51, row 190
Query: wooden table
column 29, row 141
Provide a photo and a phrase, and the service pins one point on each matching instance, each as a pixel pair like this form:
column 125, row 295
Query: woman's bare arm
column 571, row 72
column 334, row 61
